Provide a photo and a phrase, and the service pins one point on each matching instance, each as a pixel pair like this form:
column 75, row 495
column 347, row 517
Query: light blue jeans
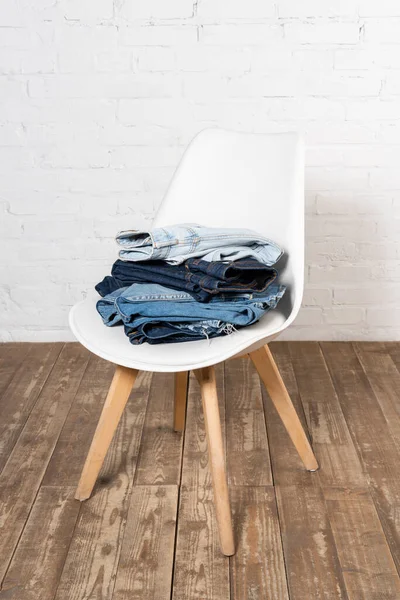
column 177, row 243
column 154, row 313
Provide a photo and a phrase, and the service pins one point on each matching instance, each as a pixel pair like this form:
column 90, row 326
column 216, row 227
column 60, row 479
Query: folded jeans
column 142, row 307
column 199, row 278
column 177, row 243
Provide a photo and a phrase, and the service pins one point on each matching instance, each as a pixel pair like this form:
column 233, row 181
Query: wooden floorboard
column 201, row 571
column 22, row 475
column 22, row 393
column 39, row 559
column 313, row 568
column 91, row 564
column 371, row 435
column 149, row 530
column 257, row 568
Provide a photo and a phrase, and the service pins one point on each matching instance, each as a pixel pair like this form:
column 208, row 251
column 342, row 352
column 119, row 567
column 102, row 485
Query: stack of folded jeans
column 189, row 282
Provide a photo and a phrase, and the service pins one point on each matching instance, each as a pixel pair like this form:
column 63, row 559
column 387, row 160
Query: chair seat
column 111, row 343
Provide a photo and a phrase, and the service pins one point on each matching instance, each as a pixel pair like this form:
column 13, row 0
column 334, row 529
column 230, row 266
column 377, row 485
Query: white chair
column 225, row 179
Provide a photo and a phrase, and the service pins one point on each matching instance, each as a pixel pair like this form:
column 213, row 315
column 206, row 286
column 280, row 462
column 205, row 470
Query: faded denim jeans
column 177, row 243
column 156, row 314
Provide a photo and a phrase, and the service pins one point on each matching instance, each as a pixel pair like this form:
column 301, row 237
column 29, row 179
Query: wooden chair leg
column 116, row 400
column 206, row 378
column 269, row 373
column 181, row 387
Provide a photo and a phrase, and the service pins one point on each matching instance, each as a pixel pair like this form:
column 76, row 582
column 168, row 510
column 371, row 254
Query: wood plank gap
column 367, row 564
column 22, row 401
column 20, row 459
column 91, row 565
column 375, row 444
column 201, row 571
column 161, row 446
column 384, row 379
column 38, row 561
column 247, row 449
column 258, row 569
column 12, row 355
column 304, row 525
column 145, row 563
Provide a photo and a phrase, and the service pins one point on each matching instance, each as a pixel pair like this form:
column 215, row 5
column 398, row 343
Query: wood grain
column 12, row 355
column 273, row 382
column 258, row 570
column 195, row 470
column 180, row 391
column 338, row 529
column 92, row 560
column 161, row 450
column 216, row 457
column 146, row 561
column 39, row 559
column 247, row 450
column 384, row 379
column 22, row 475
column 313, row 566
column 201, row 570
column 67, row 461
column 118, row 395
column 371, row 435
column 287, row 466
column 22, row 393
column 340, row 463
column 368, row 568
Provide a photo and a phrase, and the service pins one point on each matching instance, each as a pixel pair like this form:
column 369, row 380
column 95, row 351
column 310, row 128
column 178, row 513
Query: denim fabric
column 177, row 243
column 171, row 333
column 154, row 313
column 197, row 277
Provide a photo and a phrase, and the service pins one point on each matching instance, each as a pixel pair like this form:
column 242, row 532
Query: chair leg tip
column 314, row 469
column 81, row 496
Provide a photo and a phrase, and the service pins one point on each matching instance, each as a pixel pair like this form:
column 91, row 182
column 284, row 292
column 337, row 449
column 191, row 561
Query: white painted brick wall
column 99, row 99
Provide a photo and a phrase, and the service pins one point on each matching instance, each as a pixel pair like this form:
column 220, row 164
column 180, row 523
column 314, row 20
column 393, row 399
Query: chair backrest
column 256, row 181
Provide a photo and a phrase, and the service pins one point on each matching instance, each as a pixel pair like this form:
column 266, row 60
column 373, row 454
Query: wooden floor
column 149, row 530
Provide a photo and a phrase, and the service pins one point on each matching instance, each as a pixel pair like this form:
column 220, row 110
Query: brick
column 317, row 32
column 339, row 273
column 385, row 8
column 316, row 8
column 166, row 34
column 228, row 60
column 317, row 297
column 310, row 59
column 243, row 34
column 367, row 294
column 132, row 157
column 341, row 178
column 159, row 9
column 344, row 316
column 385, row 179
column 85, row 11
column 235, row 9
column 155, row 59
column 352, row 203
column 383, row 318
column 383, row 31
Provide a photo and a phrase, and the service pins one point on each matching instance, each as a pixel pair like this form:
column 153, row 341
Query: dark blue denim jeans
column 199, row 278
